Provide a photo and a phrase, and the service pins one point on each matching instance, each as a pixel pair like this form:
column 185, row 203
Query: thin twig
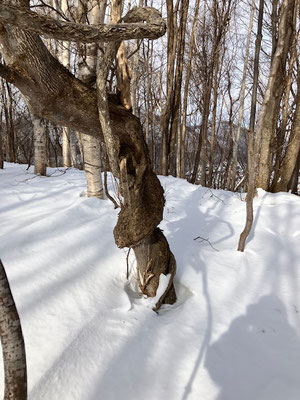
column 213, row 195
column 127, row 263
column 206, row 240
column 107, row 192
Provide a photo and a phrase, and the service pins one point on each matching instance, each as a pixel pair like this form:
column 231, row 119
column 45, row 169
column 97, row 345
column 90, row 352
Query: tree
column 252, row 157
column 12, row 341
column 275, row 88
column 55, row 94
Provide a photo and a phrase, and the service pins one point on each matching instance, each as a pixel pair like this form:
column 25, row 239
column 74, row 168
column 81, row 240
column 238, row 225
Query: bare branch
column 132, row 26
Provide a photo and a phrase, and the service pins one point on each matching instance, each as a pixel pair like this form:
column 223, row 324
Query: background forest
column 195, row 90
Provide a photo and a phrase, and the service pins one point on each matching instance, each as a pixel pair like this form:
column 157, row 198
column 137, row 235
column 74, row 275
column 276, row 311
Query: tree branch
column 132, row 26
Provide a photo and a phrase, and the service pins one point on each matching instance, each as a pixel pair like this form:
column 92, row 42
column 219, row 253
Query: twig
column 127, row 263
column 107, row 192
column 213, row 195
column 205, row 240
column 63, row 171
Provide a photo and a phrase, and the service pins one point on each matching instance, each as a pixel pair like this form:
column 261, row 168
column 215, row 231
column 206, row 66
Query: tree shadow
column 258, row 357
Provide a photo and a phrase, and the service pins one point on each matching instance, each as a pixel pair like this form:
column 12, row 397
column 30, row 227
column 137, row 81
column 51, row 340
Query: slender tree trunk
column 89, row 10
column 166, row 114
column 12, row 341
column 252, row 157
column 175, row 112
column 186, row 91
column 65, row 60
column 8, row 114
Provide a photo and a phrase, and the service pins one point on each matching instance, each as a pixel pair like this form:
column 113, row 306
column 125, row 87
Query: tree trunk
column 1, row 146
column 40, row 145
column 252, row 157
column 90, row 11
column 65, row 60
column 12, row 341
column 291, row 155
column 186, row 91
column 274, row 92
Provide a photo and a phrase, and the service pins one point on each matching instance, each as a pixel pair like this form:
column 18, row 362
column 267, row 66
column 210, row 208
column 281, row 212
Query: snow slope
column 234, row 333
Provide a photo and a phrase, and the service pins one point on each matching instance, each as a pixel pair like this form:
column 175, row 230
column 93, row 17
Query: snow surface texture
column 234, row 333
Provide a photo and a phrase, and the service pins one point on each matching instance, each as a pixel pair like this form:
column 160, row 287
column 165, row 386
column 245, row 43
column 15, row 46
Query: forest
column 169, row 130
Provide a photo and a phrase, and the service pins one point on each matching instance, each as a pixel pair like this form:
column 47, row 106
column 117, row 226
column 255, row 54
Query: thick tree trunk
column 12, row 343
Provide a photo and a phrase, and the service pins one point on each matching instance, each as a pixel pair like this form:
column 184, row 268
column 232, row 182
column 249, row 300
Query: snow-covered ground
column 234, row 333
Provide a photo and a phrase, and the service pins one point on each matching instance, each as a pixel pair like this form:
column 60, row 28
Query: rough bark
column 12, row 341
column 68, row 31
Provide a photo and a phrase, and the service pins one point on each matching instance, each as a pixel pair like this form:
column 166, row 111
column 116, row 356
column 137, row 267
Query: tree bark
column 12, row 341
column 40, row 145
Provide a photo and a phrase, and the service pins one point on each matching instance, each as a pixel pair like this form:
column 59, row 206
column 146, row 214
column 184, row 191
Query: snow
column 233, row 334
